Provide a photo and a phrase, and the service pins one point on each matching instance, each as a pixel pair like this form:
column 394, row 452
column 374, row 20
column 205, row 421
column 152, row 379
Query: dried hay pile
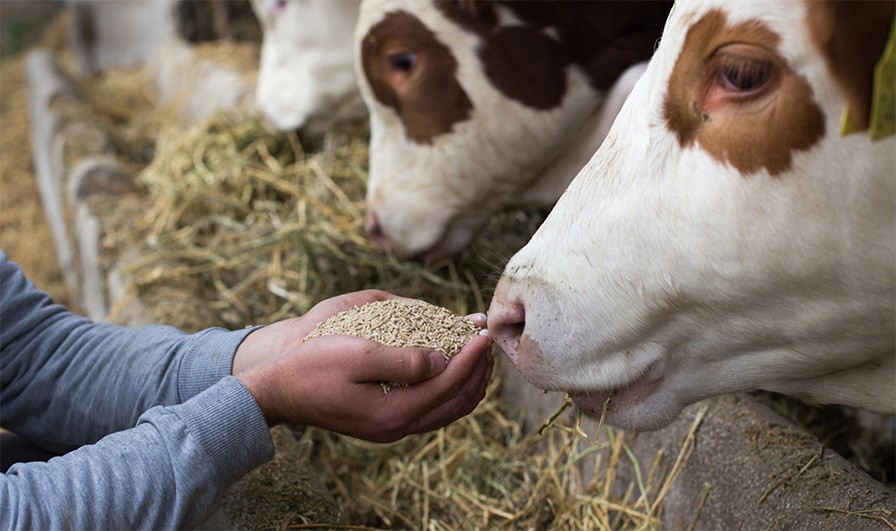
column 482, row 472
column 269, row 231
column 263, row 230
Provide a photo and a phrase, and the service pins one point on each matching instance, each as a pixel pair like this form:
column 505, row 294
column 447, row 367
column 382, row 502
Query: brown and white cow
column 726, row 236
column 306, row 77
column 479, row 106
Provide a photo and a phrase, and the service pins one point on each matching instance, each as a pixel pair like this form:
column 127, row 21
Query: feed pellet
column 402, row 323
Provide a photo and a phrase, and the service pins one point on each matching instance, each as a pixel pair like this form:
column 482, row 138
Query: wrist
column 251, row 350
column 260, row 388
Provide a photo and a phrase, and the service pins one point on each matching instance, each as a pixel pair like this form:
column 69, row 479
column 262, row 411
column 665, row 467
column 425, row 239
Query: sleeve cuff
column 230, row 426
column 208, row 359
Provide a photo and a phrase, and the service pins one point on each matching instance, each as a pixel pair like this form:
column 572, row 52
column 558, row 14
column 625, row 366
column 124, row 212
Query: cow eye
column 403, row 62
column 743, row 75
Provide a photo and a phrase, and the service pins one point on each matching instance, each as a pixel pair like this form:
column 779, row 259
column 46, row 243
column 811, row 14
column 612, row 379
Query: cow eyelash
column 742, row 75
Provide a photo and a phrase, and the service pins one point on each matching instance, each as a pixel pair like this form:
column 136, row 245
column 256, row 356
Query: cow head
column 306, row 76
column 726, row 236
column 472, row 102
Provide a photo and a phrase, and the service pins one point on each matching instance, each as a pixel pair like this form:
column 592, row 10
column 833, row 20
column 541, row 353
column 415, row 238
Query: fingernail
column 478, row 319
column 484, row 332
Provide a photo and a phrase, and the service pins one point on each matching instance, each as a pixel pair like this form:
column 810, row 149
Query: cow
column 481, row 106
column 735, row 231
column 106, row 35
column 306, row 77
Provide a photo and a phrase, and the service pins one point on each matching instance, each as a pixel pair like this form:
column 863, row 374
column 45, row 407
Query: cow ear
column 852, row 37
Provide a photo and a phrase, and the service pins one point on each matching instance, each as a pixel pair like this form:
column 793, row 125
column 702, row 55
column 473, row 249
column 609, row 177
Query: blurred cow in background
column 728, row 235
column 479, row 106
column 307, row 78
column 108, row 34
column 124, row 33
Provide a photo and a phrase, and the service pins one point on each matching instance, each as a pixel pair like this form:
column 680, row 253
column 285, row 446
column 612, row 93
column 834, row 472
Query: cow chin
column 451, row 242
column 642, row 403
column 429, row 234
column 455, row 239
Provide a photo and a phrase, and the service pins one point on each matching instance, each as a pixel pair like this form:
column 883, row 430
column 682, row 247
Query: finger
column 430, row 394
column 478, row 319
column 470, row 395
column 404, row 365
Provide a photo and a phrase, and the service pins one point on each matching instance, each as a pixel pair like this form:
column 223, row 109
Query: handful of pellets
column 402, row 323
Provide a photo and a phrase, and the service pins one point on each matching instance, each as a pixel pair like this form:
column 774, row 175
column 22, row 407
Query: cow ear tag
column 882, row 122
column 883, row 95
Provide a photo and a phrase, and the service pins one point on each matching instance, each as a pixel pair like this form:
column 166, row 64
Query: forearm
column 166, row 472
column 68, row 381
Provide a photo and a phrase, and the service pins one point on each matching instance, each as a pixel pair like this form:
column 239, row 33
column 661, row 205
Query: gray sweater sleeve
column 165, row 473
column 67, row 382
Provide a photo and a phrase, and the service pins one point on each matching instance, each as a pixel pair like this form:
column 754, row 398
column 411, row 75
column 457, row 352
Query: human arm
column 164, row 473
column 68, row 381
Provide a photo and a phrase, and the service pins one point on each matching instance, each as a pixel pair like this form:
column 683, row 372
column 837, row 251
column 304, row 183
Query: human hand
column 333, row 382
column 278, row 338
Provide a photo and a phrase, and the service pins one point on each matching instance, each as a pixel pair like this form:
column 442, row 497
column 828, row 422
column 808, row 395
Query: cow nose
column 506, row 322
column 375, row 231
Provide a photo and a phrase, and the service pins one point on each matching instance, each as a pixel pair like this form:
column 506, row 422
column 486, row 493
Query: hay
column 269, row 231
column 481, row 472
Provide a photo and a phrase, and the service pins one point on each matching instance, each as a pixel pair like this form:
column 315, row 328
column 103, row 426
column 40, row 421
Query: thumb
column 404, row 365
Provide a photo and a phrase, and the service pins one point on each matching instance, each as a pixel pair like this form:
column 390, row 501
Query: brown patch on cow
column 429, row 101
column 528, row 64
column 476, row 16
column 525, row 66
column 748, row 133
column 851, row 37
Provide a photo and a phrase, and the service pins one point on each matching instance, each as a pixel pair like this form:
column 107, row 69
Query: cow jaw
column 691, row 258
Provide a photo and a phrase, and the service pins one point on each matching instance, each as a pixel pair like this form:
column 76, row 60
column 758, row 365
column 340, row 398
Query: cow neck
column 549, row 184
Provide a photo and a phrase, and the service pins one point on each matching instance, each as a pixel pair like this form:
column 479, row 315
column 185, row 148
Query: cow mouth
column 596, row 403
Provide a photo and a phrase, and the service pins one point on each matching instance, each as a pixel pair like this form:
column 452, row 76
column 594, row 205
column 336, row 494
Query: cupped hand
column 333, row 382
column 278, row 338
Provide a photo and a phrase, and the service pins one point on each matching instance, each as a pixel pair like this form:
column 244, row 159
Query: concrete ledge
column 749, row 468
column 46, row 84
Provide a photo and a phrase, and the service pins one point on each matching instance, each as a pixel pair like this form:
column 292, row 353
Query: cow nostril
column 506, row 326
column 373, row 227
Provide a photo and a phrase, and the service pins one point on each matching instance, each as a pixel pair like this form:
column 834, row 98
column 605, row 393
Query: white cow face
column 470, row 103
column 726, row 236
column 306, row 76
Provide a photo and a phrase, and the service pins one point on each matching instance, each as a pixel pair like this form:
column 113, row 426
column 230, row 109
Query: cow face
column 306, row 77
column 726, row 236
column 471, row 103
